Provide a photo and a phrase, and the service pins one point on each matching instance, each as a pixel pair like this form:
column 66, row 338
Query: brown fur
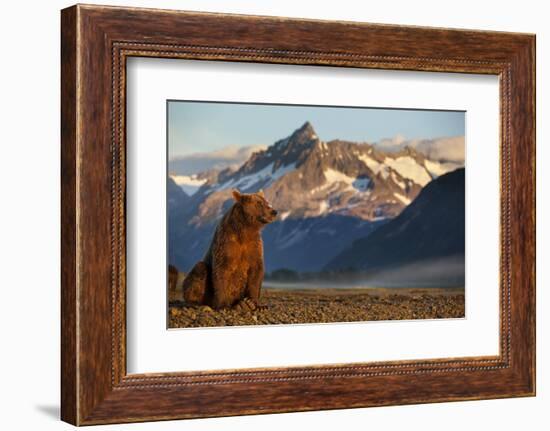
column 232, row 270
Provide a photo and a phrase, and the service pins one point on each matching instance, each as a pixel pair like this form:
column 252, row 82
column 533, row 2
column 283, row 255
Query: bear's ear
column 261, row 193
column 237, row 195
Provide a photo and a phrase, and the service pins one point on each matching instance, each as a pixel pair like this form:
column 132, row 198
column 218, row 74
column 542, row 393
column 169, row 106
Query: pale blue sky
column 205, row 126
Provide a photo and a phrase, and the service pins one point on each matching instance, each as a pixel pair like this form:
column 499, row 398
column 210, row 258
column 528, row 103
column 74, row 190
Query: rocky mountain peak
column 301, row 137
column 285, row 152
column 306, row 131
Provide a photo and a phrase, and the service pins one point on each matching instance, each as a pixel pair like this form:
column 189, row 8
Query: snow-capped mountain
column 303, row 176
column 327, row 193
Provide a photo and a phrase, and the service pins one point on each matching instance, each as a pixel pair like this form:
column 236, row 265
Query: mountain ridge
column 304, row 176
column 431, row 228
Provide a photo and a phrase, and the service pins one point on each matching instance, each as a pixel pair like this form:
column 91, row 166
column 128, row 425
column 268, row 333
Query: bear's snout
column 273, row 213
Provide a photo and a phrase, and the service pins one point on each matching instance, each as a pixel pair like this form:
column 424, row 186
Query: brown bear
column 232, row 271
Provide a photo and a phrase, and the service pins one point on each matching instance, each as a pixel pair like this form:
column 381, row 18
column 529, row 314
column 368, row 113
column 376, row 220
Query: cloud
column 451, row 149
column 231, row 156
column 445, row 149
column 391, row 144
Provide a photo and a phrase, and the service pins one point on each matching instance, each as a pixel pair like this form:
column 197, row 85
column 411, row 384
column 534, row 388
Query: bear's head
column 256, row 208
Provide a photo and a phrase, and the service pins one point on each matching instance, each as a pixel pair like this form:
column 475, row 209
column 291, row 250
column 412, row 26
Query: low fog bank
column 437, row 273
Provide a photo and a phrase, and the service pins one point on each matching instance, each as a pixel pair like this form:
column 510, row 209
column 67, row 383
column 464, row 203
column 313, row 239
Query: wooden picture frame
column 95, row 43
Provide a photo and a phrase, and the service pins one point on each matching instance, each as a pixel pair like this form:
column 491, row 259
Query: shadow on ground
column 52, row 411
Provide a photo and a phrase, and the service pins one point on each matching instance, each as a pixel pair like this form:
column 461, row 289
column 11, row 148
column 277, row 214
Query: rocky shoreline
column 326, row 306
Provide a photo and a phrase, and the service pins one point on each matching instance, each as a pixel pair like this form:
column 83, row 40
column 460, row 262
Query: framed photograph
column 264, row 214
column 304, row 223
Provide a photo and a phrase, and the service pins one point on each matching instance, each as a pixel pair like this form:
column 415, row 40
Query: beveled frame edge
column 95, row 43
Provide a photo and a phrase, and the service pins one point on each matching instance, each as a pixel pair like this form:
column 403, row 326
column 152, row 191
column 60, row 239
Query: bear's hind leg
column 228, row 289
column 195, row 285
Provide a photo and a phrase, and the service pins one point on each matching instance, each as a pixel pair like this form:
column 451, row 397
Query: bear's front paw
column 247, row 305
column 261, row 306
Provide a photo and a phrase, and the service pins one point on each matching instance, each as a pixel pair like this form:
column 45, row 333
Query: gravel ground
column 325, row 306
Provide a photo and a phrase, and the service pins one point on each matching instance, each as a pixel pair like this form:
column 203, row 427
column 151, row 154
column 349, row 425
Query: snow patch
column 372, row 164
column 188, row 183
column 334, row 177
column 323, row 207
column 284, row 215
column 402, row 198
column 407, row 167
column 265, row 176
column 436, row 169
column 375, row 166
column 398, row 181
column 320, row 188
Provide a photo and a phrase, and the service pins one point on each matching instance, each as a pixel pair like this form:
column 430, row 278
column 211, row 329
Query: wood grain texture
column 69, row 366
column 96, row 41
